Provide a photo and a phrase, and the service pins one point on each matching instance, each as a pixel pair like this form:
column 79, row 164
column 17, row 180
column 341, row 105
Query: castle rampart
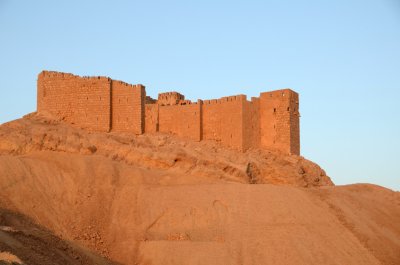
column 84, row 101
column 102, row 104
column 93, row 103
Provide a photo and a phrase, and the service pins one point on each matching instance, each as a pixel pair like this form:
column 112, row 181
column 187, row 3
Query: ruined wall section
column 170, row 98
column 151, row 124
column 127, row 107
column 83, row 101
column 223, row 121
column 278, row 121
column 182, row 120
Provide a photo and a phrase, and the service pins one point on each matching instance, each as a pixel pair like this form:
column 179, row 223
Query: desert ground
column 68, row 196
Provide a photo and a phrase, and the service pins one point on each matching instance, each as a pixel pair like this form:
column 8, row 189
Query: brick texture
column 102, row 104
column 279, row 124
column 251, row 123
column 84, row 101
column 127, row 107
column 93, row 103
column 223, row 120
column 182, row 120
column 152, row 118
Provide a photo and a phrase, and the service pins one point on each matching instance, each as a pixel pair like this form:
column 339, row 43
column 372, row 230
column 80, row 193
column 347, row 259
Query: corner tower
column 280, row 121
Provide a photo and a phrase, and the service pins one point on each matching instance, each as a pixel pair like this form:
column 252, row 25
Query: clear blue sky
column 342, row 56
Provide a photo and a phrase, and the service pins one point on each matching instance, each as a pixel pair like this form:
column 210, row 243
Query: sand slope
column 119, row 211
column 24, row 242
column 138, row 209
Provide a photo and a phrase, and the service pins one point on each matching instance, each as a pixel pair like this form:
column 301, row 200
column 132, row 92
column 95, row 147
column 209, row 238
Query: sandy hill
column 68, row 196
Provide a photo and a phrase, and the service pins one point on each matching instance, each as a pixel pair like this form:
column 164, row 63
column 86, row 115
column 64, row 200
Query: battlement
column 103, row 104
column 225, row 99
column 122, row 83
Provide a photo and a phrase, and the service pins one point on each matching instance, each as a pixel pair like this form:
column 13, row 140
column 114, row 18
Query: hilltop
column 119, row 198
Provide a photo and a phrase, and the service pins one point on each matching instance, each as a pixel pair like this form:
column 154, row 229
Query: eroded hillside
column 157, row 199
column 202, row 161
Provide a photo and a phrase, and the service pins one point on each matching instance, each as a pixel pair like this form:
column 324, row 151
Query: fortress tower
column 279, row 123
column 102, row 104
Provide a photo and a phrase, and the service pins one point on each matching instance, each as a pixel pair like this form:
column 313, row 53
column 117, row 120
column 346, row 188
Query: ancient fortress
column 102, row 104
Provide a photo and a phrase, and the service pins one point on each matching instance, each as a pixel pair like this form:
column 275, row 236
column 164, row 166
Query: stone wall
column 182, row 120
column 102, row 104
column 92, row 103
column 223, row 120
column 84, row 101
column 251, row 123
column 294, row 123
column 151, row 118
column 279, row 124
column 127, row 107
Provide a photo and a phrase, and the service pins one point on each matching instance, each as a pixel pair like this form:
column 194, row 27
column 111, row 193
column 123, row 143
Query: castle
column 102, row 104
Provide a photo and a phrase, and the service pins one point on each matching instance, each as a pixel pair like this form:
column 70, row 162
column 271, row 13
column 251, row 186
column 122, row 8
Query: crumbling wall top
column 170, row 98
column 55, row 74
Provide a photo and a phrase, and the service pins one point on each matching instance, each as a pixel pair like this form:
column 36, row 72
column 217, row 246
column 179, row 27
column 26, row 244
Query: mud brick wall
column 182, row 120
column 127, row 107
column 223, row 120
column 151, row 123
column 279, row 124
column 84, row 101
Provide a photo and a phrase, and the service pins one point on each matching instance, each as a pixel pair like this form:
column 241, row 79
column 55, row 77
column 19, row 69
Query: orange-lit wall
column 102, row 104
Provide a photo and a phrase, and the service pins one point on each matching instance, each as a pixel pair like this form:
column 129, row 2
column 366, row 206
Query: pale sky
column 342, row 57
